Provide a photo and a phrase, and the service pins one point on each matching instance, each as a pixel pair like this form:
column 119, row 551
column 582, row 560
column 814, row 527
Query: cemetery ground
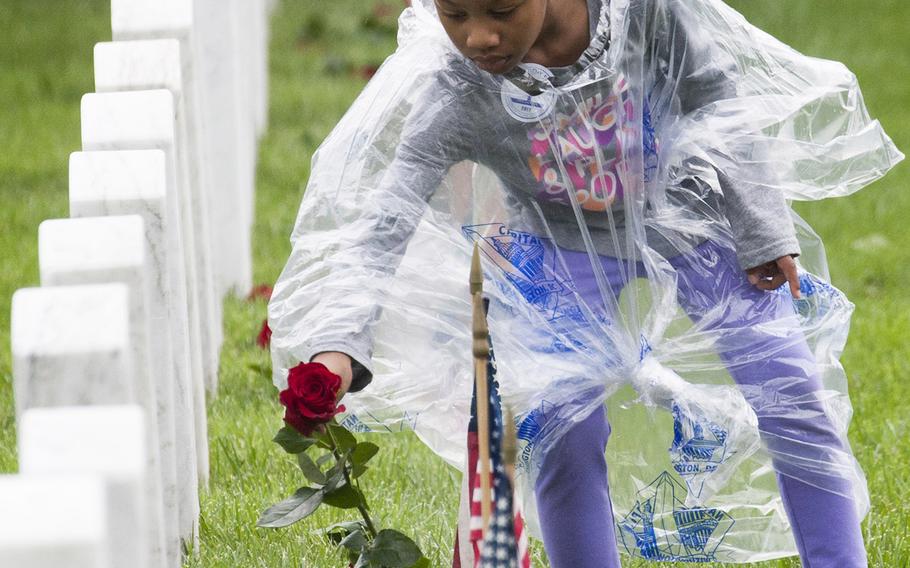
column 321, row 53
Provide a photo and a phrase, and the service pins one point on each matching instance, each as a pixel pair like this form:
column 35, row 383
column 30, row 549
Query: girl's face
column 495, row 34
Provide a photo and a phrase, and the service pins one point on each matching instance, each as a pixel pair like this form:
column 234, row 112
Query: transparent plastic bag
column 616, row 204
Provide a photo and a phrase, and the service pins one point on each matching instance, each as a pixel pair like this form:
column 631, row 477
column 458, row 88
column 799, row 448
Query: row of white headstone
column 114, row 354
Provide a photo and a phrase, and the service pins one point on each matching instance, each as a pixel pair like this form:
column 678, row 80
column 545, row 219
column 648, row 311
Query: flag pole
column 481, row 349
column 509, row 444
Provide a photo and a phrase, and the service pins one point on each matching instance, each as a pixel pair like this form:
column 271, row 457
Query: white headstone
column 245, row 30
column 108, row 441
column 71, row 346
column 75, row 535
column 145, row 120
column 114, row 249
column 132, row 19
column 259, row 51
column 220, row 110
column 157, row 64
column 230, row 129
column 135, row 182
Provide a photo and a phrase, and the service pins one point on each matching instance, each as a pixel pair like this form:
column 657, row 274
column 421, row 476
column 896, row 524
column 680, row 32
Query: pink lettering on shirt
column 581, row 152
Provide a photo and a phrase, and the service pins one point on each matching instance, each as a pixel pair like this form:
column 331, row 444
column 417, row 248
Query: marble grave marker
column 135, row 182
column 107, row 441
column 97, row 250
column 75, row 536
column 71, row 346
column 230, row 129
column 146, row 120
column 157, row 64
column 213, row 56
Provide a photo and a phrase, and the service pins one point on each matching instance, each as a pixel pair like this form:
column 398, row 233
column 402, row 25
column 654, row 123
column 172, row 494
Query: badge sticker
column 524, row 107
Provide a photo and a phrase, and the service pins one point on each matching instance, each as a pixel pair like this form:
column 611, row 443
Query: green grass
column 45, row 67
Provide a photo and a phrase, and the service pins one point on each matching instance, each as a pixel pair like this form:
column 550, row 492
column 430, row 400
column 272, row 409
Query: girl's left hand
column 770, row 275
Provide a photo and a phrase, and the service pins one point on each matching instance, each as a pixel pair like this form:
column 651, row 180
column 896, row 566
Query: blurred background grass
column 321, row 54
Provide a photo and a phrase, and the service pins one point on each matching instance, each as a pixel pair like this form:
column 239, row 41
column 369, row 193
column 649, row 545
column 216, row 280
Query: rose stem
column 347, row 478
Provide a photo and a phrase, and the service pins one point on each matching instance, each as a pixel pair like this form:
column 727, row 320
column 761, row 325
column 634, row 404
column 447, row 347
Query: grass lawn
column 318, row 53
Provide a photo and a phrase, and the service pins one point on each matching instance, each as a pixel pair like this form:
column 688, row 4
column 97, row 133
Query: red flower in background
column 260, row 292
column 367, row 71
column 265, row 335
column 311, row 397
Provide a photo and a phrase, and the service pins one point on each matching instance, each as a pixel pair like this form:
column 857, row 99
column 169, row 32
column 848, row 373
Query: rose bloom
column 265, row 335
column 310, row 399
column 260, row 292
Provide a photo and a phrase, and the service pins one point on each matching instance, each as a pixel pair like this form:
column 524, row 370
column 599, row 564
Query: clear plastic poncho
column 616, row 203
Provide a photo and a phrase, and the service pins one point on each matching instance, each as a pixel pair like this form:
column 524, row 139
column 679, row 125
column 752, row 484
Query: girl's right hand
column 340, row 364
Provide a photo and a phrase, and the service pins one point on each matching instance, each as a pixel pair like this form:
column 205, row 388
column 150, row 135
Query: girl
column 616, row 161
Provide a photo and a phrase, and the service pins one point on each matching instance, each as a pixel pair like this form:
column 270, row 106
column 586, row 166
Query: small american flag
column 506, row 545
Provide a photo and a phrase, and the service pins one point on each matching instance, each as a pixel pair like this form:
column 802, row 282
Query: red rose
column 366, row 72
column 310, row 399
column 265, row 335
column 260, row 292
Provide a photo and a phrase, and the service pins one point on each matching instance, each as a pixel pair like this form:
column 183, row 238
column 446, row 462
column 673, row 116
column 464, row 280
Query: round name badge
column 524, row 107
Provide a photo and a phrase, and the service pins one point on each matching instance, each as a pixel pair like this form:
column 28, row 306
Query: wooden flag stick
column 481, row 357
column 509, row 444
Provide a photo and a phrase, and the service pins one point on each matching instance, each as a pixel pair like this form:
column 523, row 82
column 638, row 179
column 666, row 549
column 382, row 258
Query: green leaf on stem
column 334, row 477
column 344, row 440
column 424, row 562
column 345, row 526
column 344, row 497
column 292, row 441
column 354, row 541
column 298, row 506
column 392, row 549
column 339, row 531
column 324, row 459
column 363, row 452
column 310, row 470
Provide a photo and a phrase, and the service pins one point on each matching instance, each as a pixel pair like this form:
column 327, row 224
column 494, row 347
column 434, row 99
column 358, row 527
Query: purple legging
column 776, row 373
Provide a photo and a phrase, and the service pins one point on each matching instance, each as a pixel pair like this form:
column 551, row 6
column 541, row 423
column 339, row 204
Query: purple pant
column 572, row 494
